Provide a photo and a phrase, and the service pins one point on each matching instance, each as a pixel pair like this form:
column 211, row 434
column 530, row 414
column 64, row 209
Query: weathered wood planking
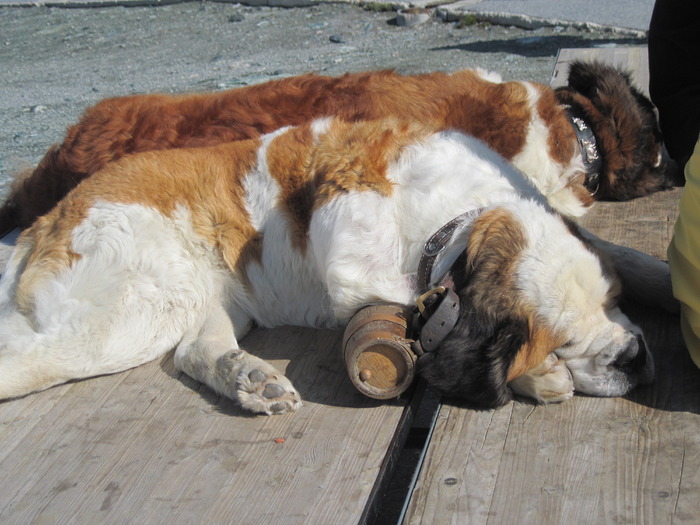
column 150, row 445
column 589, row 460
column 632, row 59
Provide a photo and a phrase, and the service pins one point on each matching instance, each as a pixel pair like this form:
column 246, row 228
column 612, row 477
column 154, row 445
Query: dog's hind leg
column 68, row 336
column 212, row 356
column 34, row 359
column 127, row 295
column 29, row 360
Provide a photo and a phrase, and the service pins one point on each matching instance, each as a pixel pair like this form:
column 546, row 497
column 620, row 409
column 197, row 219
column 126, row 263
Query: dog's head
column 529, row 287
column 624, row 121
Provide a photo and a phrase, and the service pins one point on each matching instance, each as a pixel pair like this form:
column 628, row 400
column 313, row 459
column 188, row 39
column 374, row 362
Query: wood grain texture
column 589, row 460
column 645, row 224
column 150, row 445
column 632, row 59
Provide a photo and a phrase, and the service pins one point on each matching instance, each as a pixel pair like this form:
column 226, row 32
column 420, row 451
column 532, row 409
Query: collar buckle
column 420, row 302
column 434, row 322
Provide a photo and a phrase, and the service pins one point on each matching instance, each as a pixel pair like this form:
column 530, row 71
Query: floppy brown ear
column 589, row 77
column 494, row 247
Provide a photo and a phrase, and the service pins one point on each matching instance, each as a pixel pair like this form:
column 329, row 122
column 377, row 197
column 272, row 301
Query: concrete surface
column 618, row 15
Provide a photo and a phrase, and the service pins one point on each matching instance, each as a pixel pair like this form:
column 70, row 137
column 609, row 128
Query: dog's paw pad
column 267, row 391
column 272, row 391
column 257, row 376
column 279, row 408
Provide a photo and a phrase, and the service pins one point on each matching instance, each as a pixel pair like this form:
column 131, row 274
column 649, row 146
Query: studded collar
column 437, row 308
column 592, row 160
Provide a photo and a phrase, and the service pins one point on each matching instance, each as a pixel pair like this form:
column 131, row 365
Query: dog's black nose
column 674, row 174
column 634, row 357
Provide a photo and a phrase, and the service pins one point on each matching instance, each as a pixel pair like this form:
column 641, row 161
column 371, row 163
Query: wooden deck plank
column 589, row 460
column 644, row 224
column 151, row 445
column 633, row 59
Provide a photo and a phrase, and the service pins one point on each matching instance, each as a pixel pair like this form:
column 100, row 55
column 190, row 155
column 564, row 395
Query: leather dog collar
column 437, row 242
column 437, row 309
column 592, row 160
column 437, row 315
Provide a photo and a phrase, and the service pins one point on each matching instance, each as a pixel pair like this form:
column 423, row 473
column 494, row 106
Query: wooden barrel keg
column 377, row 351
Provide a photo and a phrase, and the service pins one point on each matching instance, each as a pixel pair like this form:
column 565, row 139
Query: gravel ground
column 56, row 62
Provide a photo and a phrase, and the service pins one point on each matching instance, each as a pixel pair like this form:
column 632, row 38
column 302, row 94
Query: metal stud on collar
column 435, row 245
column 589, row 147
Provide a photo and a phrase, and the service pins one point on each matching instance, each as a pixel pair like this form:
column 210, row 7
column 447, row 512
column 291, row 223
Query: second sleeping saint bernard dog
column 186, row 249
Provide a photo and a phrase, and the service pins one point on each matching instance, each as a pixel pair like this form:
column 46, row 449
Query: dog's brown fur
column 497, row 113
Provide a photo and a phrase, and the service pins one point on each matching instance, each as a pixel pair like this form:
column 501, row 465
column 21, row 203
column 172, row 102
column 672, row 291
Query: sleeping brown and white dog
column 186, row 249
column 597, row 138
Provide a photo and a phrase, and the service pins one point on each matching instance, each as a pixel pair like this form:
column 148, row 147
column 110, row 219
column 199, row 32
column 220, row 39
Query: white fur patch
column 261, row 189
column 140, row 282
column 552, row 178
column 285, row 288
column 320, row 126
column 490, row 76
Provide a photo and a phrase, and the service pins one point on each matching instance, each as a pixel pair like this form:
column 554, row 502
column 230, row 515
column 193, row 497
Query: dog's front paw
column 548, row 382
column 259, row 387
